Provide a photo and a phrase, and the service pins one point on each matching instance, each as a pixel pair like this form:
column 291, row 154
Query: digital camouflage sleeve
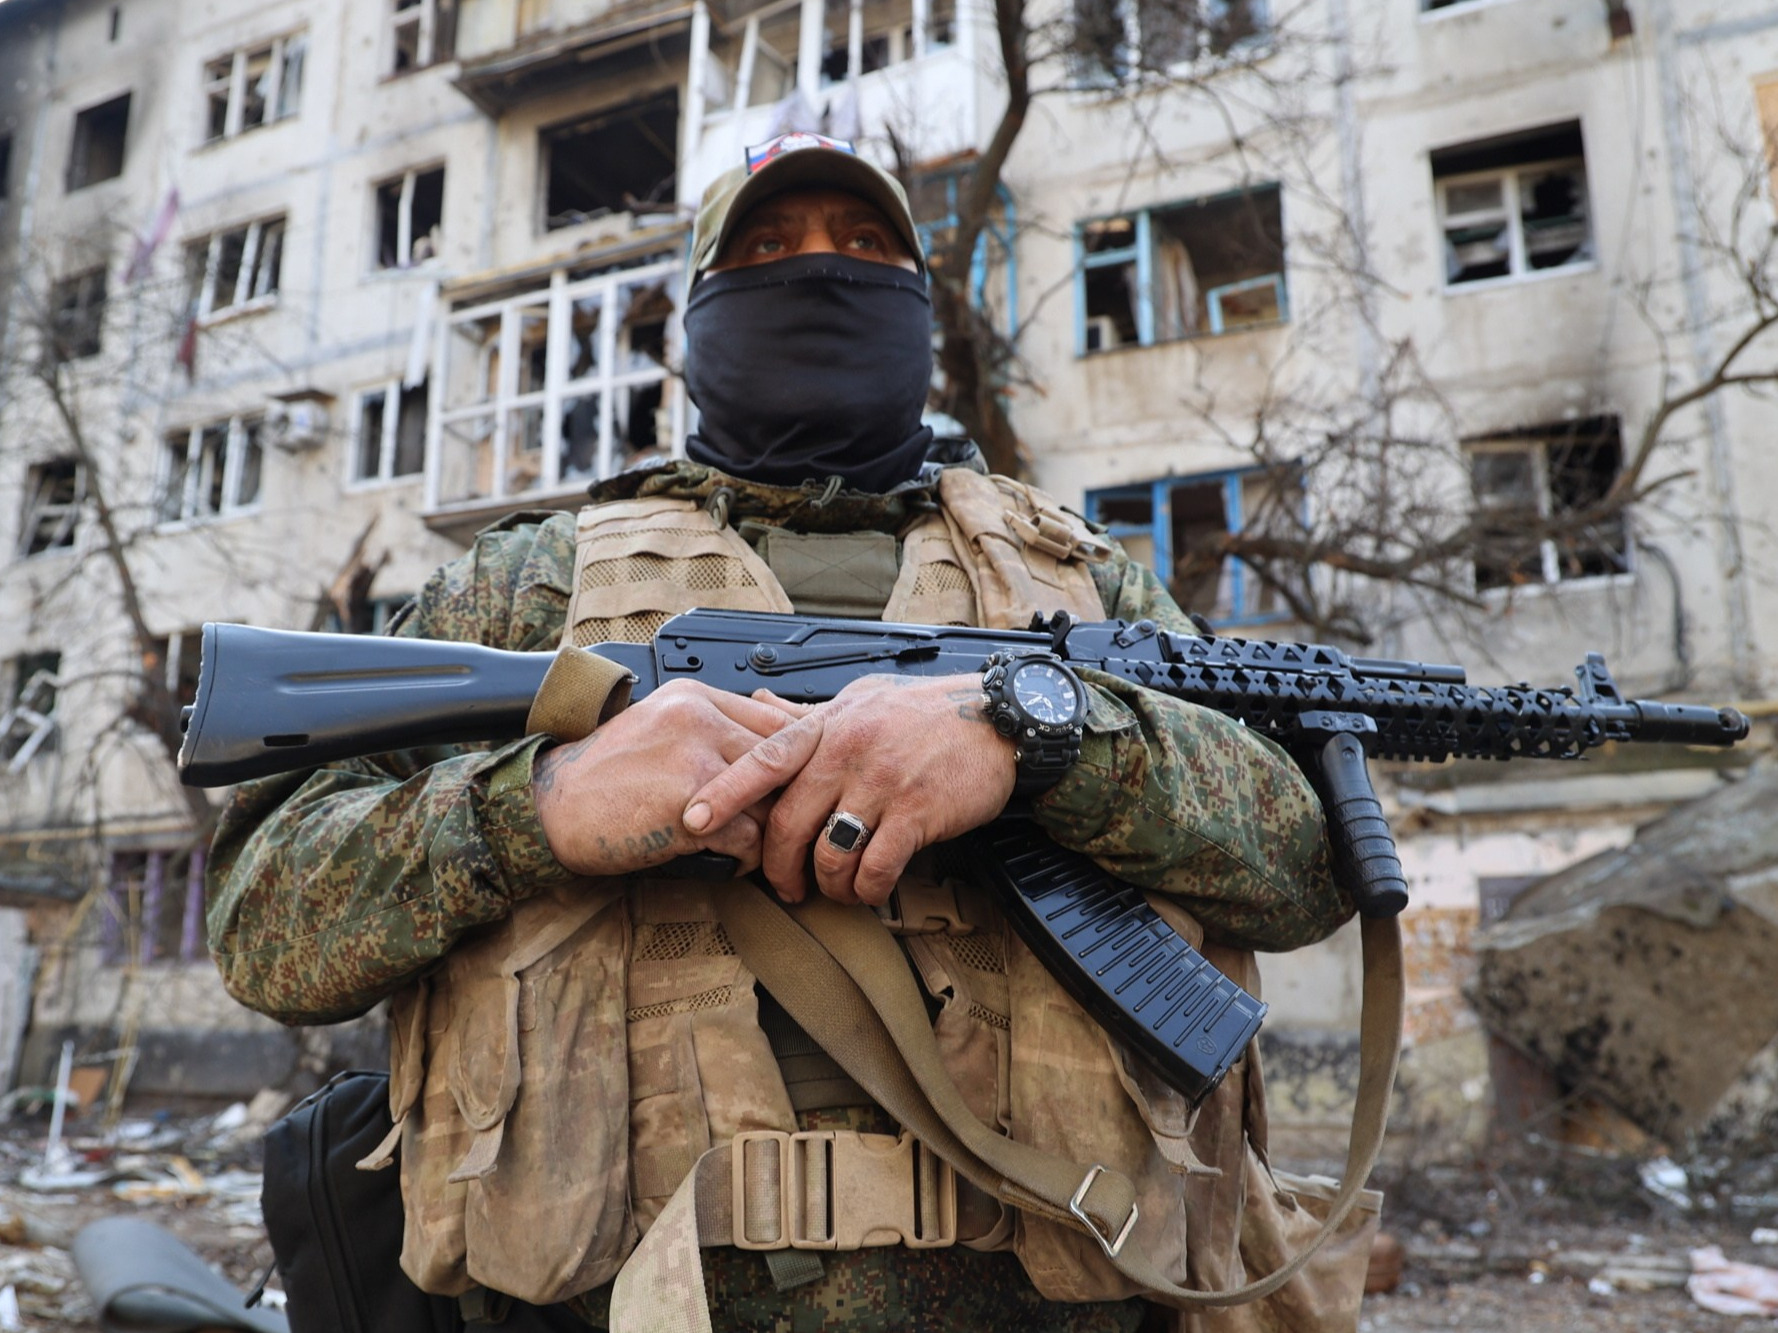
column 328, row 890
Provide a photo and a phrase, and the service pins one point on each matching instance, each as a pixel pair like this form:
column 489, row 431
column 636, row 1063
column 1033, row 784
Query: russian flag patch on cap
column 790, row 143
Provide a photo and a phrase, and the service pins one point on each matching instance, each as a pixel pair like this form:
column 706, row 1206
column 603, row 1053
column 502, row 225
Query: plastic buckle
column 868, row 1187
column 1111, row 1247
column 921, row 906
column 738, row 1186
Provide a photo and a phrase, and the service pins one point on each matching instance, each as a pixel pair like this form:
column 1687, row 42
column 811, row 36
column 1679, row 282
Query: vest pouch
column 1105, row 1117
column 700, row 1068
column 513, row 1164
column 1282, row 1213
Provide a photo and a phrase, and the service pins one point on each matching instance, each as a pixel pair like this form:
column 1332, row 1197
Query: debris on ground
column 1720, row 1284
column 1628, row 974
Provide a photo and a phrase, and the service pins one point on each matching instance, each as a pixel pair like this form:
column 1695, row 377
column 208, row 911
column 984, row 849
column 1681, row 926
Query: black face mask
column 810, row 367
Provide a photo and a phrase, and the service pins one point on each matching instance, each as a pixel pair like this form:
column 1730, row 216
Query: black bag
column 336, row 1230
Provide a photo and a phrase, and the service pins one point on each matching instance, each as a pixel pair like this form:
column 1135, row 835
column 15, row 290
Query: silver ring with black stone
column 845, row 833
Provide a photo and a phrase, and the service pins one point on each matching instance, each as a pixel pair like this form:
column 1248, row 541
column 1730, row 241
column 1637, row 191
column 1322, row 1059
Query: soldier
column 573, row 1030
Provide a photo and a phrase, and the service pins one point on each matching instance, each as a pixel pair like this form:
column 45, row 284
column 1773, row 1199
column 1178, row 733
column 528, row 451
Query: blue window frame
column 994, row 245
column 1173, row 525
column 1202, row 268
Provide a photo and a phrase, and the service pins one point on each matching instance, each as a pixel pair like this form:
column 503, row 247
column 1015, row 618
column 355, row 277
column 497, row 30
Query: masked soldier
column 579, row 1050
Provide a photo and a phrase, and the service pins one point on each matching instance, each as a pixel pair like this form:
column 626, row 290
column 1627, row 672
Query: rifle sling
column 840, row 974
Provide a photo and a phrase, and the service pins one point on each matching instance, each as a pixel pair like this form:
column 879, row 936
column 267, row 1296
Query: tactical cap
column 784, row 163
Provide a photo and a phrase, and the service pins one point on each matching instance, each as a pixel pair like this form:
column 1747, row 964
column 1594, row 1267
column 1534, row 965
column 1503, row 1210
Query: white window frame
column 37, row 509
column 506, row 403
column 404, row 220
column 250, row 291
column 1550, row 556
column 425, row 14
column 385, row 474
column 195, row 481
column 282, row 49
column 1508, row 211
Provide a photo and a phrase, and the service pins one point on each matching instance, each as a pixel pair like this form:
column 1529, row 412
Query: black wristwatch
column 1036, row 702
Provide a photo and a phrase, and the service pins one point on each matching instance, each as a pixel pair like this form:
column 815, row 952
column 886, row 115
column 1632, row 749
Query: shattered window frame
column 422, row 33
column 55, row 492
column 89, row 162
column 1146, row 518
column 163, row 888
column 76, row 326
column 1552, row 485
column 370, row 412
column 1122, row 41
column 508, row 385
column 1494, row 230
column 396, row 196
column 211, row 471
column 252, row 253
column 28, row 724
column 1133, row 245
column 254, row 86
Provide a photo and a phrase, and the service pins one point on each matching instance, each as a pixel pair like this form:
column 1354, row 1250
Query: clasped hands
column 692, row 769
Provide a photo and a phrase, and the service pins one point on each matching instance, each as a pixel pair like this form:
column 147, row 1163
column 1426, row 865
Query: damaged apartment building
column 300, row 295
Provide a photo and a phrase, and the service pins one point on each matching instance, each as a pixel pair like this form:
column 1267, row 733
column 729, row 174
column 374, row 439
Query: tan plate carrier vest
column 558, row 1078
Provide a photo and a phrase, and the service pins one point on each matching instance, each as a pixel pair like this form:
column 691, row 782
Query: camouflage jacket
column 329, row 890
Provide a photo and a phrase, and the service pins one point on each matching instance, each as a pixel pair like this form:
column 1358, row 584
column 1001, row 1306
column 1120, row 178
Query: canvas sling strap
column 840, row 974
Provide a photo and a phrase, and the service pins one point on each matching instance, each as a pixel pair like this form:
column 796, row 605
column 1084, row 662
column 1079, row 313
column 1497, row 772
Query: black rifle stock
column 274, row 701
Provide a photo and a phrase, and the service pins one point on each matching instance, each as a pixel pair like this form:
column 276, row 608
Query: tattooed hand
column 915, row 759
column 611, row 803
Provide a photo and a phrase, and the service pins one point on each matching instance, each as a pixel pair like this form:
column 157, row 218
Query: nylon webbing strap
column 579, row 691
column 838, row 972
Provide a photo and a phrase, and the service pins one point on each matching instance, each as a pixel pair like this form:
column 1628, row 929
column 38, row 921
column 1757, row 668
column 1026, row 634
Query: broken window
column 234, row 268
column 255, row 86
column 28, row 725
column 1514, row 205
column 1213, row 266
column 368, row 615
column 1177, row 526
column 410, row 214
column 1536, row 488
column 211, row 471
column 550, row 388
column 1534, row 492
column 53, row 494
column 1114, row 40
column 173, row 659
column 97, row 152
column 422, row 32
column 888, row 32
column 390, row 444
column 615, row 162
column 76, row 316
column 154, row 907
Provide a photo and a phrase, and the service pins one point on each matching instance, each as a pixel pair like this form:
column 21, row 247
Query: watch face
column 1046, row 693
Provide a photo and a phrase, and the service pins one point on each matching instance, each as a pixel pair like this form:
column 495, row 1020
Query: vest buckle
column 840, row 1190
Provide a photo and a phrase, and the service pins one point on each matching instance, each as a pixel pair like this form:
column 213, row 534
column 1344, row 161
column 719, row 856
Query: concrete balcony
column 514, row 51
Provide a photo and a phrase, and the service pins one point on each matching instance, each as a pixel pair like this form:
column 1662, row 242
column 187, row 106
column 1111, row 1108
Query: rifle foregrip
column 1363, row 846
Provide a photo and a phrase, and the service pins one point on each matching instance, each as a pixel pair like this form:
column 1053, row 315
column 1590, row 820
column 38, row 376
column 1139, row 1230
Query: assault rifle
column 273, row 701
